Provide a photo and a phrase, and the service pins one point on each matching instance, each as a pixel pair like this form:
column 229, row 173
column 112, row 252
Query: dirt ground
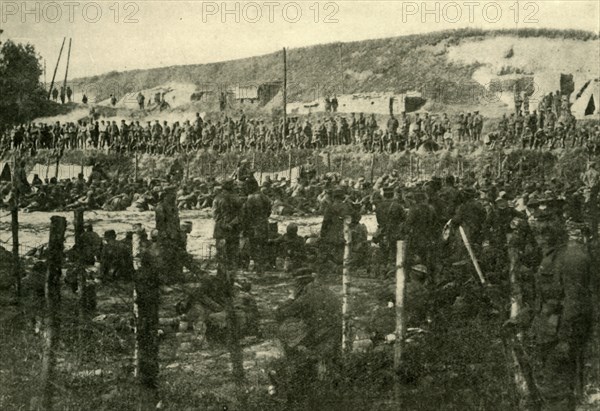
column 193, row 371
column 456, row 359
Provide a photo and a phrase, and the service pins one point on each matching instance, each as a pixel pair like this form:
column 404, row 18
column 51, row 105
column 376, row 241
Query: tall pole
column 400, row 298
column 56, row 241
column 56, row 68
column 284, row 133
column 341, row 69
column 67, row 70
column 346, row 337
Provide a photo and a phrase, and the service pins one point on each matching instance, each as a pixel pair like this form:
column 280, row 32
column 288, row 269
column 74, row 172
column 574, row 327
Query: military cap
column 110, row 235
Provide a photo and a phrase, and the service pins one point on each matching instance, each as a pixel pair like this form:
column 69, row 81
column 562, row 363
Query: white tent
column 65, row 171
column 587, row 100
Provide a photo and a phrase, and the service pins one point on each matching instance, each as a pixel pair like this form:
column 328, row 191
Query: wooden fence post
column 78, row 228
column 87, row 292
column 56, row 241
column 57, row 164
column 328, row 161
column 346, row 334
column 146, row 303
column 400, row 299
column 290, row 166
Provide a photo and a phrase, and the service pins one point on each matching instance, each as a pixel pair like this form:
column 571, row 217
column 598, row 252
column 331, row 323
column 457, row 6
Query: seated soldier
column 116, row 261
column 291, row 247
column 310, row 330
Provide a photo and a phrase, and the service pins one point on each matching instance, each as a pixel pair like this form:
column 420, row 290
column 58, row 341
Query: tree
column 21, row 93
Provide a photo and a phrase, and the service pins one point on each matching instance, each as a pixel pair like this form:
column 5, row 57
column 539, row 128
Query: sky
column 127, row 35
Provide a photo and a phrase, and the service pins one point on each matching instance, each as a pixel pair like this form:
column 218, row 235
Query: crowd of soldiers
column 98, row 191
column 551, row 126
column 544, row 231
column 541, row 228
column 534, row 130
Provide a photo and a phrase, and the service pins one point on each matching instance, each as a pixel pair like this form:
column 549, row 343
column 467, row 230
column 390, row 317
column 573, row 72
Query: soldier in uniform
column 332, row 228
column 390, row 218
column 140, row 100
column 256, row 212
column 226, row 213
column 116, row 260
column 421, row 229
column 562, row 314
column 310, row 330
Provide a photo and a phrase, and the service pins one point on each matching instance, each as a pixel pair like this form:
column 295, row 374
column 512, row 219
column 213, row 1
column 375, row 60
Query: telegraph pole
column 67, row 70
column 284, row 94
column 341, row 68
column 56, row 68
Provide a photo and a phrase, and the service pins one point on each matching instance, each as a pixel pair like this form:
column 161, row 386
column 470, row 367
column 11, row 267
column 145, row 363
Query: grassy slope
column 397, row 64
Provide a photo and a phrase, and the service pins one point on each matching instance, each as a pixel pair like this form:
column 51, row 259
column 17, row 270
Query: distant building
column 259, row 94
column 371, row 103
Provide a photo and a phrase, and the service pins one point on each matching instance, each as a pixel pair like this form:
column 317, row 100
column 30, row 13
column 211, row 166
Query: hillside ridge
column 418, row 62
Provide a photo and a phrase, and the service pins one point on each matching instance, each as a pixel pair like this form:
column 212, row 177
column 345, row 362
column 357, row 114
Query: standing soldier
column 557, row 103
column 518, row 100
column 562, row 314
column 541, row 119
column 332, row 228
column 334, row 104
column 362, row 125
column 54, row 94
column 256, row 212
column 371, row 129
column 525, row 102
column 140, row 100
column 477, row 126
column 69, row 93
column 427, row 125
column 226, row 212
column 390, row 219
column 527, row 138
column 353, row 128
column 420, row 229
column 392, row 127
column 113, row 132
column 460, row 127
column 62, row 95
